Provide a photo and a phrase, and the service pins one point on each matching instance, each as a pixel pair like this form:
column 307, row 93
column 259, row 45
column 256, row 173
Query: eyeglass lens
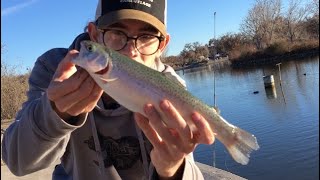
column 145, row 44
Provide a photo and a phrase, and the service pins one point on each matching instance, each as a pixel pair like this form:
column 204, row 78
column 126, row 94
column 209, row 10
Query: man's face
column 135, row 48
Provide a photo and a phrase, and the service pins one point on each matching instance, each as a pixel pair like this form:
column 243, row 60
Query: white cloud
column 15, row 8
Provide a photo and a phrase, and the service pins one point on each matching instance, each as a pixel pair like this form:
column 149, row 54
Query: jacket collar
column 76, row 42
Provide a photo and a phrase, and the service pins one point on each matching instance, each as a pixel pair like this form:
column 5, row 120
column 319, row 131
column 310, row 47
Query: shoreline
column 255, row 61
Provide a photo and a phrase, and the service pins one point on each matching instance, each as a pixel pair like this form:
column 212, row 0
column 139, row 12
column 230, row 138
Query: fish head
column 92, row 57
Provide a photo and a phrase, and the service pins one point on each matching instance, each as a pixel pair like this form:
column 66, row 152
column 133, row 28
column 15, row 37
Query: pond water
column 284, row 119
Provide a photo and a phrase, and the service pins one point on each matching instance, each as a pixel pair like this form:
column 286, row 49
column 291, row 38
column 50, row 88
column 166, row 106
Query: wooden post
column 284, row 99
column 279, row 72
column 214, row 89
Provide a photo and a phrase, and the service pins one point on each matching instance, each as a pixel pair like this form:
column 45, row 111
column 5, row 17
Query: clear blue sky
column 31, row 27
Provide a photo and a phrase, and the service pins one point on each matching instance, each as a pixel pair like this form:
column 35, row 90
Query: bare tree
column 193, row 51
column 314, row 6
column 230, row 41
column 260, row 22
column 294, row 17
column 312, row 23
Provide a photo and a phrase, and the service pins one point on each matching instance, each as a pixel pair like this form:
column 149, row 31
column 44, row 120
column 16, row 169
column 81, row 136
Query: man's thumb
column 66, row 68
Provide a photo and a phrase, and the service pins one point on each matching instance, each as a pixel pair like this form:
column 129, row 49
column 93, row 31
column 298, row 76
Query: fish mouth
column 103, row 71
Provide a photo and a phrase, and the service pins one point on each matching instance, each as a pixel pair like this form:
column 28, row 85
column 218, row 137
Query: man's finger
column 88, row 103
column 176, row 121
column 148, row 131
column 205, row 134
column 59, row 89
column 75, row 97
column 157, row 124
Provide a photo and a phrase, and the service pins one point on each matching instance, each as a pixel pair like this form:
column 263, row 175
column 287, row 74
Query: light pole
column 214, row 82
column 214, row 55
column 214, row 30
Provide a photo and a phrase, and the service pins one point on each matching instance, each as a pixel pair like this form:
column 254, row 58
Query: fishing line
column 284, row 99
column 225, row 160
column 214, row 105
column 214, row 155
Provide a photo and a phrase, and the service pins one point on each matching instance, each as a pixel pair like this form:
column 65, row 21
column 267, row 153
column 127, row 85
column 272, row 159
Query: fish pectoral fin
column 108, row 80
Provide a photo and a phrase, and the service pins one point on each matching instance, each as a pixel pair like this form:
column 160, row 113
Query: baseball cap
column 153, row 12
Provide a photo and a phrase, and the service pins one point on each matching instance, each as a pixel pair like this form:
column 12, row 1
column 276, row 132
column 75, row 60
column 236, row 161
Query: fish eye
column 90, row 48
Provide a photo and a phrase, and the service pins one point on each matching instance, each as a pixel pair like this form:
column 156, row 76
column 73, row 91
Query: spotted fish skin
column 133, row 85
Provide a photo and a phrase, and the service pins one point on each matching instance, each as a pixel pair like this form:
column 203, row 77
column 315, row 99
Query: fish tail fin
column 242, row 144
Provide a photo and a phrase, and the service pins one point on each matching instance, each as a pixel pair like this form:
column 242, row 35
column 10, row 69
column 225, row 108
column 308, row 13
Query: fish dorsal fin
column 175, row 79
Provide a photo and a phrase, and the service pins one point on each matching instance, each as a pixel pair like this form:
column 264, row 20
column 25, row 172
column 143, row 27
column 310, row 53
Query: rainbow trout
column 133, row 85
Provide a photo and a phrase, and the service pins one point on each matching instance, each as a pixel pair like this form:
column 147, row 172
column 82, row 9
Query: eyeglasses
column 146, row 44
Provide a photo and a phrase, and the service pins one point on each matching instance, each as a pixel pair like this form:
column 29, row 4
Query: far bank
column 255, row 60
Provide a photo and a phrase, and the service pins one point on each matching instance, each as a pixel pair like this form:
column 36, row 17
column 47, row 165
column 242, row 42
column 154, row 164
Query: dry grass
column 278, row 48
column 13, row 90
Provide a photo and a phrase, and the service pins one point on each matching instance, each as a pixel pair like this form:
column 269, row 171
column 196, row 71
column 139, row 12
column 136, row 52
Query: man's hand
column 72, row 92
column 174, row 141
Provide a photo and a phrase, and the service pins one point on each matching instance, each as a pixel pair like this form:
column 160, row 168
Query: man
column 68, row 116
